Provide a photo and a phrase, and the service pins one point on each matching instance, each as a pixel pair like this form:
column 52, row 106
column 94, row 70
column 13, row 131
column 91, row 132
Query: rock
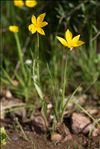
column 7, row 105
column 56, row 137
column 62, row 129
column 81, row 123
column 39, row 123
column 8, row 94
column 96, row 132
column 4, row 92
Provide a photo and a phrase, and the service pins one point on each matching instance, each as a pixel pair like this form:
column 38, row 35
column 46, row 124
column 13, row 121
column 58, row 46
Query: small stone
column 40, row 122
column 96, row 132
column 80, row 123
column 11, row 103
column 8, row 94
column 56, row 137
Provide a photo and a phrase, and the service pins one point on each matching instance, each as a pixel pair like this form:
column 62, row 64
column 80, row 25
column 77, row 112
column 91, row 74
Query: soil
column 40, row 142
column 16, row 140
column 72, row 134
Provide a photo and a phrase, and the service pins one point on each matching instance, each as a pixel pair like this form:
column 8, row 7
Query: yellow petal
column 68, row 35
column 32, row 28
column 31, row 3
column 75, row 40
column 63, row 41
column 41, row 31
column 79, row 43
column 19, row 3
column 40, row 18
column 42, row 24
column 13, row 28
column 33, row 19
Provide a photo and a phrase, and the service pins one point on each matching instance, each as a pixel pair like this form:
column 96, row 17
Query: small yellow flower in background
column 31, row 3
column 37, row 24
column 13, row 28
column 19, row 3
column 70, row 41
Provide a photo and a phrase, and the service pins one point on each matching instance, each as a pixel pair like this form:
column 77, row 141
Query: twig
column 24, row 135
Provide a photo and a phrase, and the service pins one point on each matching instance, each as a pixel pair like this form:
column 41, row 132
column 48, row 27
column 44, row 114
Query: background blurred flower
column 31, row 3
column 28, row 61
column 37, row 24
column 69, row 41
column 19, row 3
column 13, row 28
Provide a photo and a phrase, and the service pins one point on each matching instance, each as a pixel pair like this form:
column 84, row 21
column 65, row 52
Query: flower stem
column 64, row 83
column 64, row 87
column 20, row 54
column 37, row 45
column 38, row 56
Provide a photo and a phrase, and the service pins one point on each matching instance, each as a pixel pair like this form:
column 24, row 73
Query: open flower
column 13, row 28
column 70, row 41
column 37, row 24
column 19, row 3
column 31, row 3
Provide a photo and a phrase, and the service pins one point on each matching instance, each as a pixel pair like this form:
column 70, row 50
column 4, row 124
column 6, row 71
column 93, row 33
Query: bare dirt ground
column 72, row 134
column 16, row 140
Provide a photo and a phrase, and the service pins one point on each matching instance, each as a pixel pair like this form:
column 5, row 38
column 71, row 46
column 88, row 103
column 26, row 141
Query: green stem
column 20, row 54
column 38, row 46
column 19, row 48
column 64, row 83
column 64, row 86
column 38, row 56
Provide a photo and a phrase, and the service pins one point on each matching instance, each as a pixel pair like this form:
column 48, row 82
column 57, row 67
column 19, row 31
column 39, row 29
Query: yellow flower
column 13, row 28
column 19, row 3
column 31, row 3
column 70, row 41
column 37, row 24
